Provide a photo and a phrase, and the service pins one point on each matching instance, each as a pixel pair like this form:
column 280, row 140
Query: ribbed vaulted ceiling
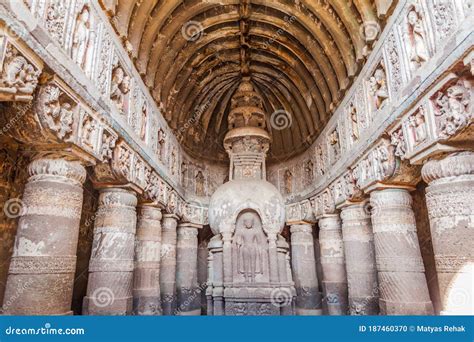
column 300, row 54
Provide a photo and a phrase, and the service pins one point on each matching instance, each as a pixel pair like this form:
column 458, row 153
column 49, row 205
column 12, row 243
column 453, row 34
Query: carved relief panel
column 120, row 89
column 415, row 33
column 377, row 88
column 452, row 106
column 82, row 41
column 249, row 250
column 19, row 72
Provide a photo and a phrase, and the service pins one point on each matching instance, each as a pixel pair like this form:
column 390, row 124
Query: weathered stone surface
column 333, row 264
column 168, row 264
column 109, row 289
column 360, row 259
column 146, row 275
column 401, row 274
column 41, row 275
column 187, row 288
column 308, row 296
column 450, row 202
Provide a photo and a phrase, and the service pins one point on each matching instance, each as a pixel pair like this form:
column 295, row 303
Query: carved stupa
column 249, row 260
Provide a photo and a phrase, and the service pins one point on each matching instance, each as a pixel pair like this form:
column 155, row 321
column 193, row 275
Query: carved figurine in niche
column 354, row 122
column 119, row 88
column 417, row 126
column 378, row 87
column 81, row 37
column 398, row 140
column 200, row 184
column 308, row 171
column 288, row 178
column 453, row 107
column 184, row 170
column 248, row 242
column 143, row 127
column 417, row 38
column 88, row 128
column 108, row 144
column 320, row 160
column 58, row 113
column 18, row 75
column 334, row 142
column 160, row 148
column 382, row 161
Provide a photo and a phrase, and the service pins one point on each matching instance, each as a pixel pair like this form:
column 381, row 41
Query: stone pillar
column 287, row 305
column 109, row 288
column 41, row 275
column 168, row 264
column 11, row 208
column 216, row 275
column 332, row 262
column 188, row 291
column 360, row 259
column 146, row 282
column 450, row 202
column 308, row 297
column 401, row 273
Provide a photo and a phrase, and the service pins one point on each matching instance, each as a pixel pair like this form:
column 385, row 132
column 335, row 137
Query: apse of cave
column 236, row 157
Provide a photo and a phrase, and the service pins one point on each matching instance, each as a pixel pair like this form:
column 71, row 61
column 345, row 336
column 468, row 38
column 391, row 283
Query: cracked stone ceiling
column 301, row 56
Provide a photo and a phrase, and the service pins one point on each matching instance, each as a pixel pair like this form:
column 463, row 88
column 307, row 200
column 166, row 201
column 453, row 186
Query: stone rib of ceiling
column 301, row 56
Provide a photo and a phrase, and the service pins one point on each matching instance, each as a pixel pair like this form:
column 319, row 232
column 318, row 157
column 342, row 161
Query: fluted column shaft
column 308, row 297
column 450, row 203
column 401, row 273
column 188, row 293
column 360, row 259
column 168, row 264
column 332, row 262
column 41, row 274
column 109, row 289
column 146, row 282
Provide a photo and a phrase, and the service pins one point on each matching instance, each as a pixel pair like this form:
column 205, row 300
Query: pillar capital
column 57, row 169
column 170, row 222
column 452, row 165
column 301, row 227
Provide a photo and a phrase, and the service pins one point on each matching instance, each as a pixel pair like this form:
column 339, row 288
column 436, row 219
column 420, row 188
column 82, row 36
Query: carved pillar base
column 188, row 293
column 41, row 274
column 168, row 264
column 450, row 202
column 109, row 290
column 332, row 262
column 360, row 260
column 146, row 284
column 308, row 297
column 401, row 273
